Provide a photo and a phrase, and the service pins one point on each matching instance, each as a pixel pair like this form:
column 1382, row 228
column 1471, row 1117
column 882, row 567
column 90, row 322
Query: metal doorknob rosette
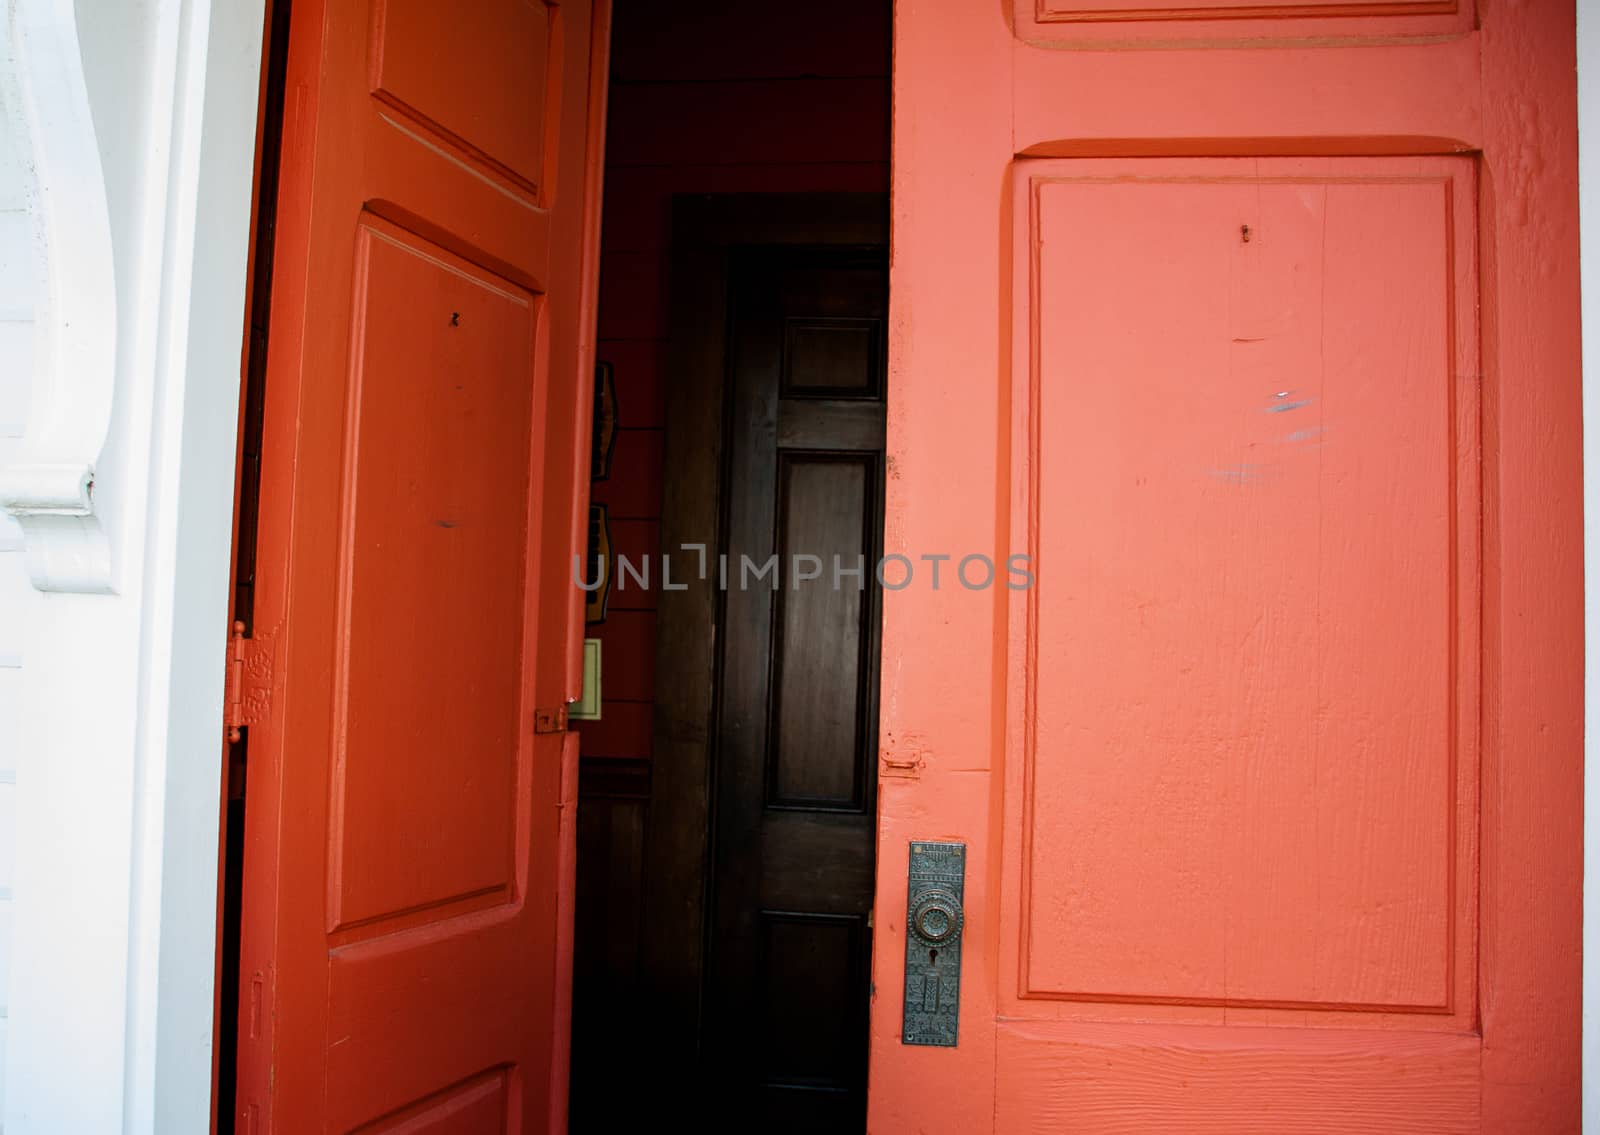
column 936, row 917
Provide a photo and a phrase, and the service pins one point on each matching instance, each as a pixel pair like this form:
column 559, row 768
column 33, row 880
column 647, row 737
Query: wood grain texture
column 1386, row 98
column 943, row 692
column 817, row 735
column 677, row 838
column 796, row 699
column 1132, row 1079
column 1499, row 88
column 1533, row 771
column 1241, row 377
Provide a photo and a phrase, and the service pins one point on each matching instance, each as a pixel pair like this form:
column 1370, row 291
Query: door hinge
column 248, row 691
column 550, row 720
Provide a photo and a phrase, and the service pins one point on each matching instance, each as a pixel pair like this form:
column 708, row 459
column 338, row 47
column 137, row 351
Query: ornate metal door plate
column 936, row 885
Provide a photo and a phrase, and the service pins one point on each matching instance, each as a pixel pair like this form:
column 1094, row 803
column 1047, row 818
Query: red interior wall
column 716, row 97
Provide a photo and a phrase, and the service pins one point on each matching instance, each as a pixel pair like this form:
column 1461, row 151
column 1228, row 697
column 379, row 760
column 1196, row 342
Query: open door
column 1255, row 326
column 408, row 866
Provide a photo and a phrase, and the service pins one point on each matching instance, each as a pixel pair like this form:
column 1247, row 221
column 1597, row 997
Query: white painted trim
column 49, row 486
column 215, row 105
column 118, row 781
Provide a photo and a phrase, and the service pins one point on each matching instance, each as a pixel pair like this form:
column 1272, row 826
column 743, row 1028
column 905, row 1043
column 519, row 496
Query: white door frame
column 137, row 128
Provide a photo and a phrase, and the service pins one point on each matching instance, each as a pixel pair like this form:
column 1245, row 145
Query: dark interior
column 726, row 794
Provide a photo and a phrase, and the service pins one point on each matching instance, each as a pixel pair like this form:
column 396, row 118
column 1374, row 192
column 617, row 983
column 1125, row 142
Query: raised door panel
column 434, row 551
column 818, row 734
column 812, row 987
column 1249, row 390
column 1229, row 22
column 473, row 1107
column 1129, row 1079
column 475, row 75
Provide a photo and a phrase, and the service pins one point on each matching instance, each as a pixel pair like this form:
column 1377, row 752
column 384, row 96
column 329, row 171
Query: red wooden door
column 408, row 862
column 1255, row 326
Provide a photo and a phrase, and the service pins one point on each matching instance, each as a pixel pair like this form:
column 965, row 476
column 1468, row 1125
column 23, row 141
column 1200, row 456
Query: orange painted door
column 408, row 881
column 1255, row 327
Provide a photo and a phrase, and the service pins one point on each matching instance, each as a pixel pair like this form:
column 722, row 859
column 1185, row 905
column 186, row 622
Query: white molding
column 49, row 485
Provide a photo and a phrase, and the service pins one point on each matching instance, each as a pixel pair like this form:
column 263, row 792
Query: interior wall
column 719, row 97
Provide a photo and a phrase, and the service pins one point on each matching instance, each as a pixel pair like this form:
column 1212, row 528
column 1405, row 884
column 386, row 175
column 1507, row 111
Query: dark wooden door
column 794, row 772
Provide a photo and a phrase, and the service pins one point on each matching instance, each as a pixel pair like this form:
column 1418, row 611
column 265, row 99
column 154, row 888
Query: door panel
column 792, row 869
column 478, row 75
column 1253, row 386
column 825, row 503
column 407, row 875
column 1129, row 1079
column 1080, row 22
column 434, row 452
column 1274, row 309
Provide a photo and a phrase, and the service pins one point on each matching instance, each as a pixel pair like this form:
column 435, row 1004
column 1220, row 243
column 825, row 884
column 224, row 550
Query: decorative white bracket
column 49, row 486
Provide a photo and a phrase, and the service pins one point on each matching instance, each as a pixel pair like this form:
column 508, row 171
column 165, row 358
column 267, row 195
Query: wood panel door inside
column 792, row 865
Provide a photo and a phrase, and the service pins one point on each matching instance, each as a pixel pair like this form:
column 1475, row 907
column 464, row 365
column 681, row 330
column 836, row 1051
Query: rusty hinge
column 248, row 691
column 550, row 720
